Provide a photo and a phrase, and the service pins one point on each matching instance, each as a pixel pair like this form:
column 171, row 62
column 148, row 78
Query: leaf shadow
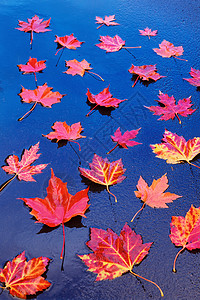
column 146, row 83
column 102, row 109
column 93, row 187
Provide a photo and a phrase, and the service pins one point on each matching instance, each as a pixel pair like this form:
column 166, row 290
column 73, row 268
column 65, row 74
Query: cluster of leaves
column 112, row 255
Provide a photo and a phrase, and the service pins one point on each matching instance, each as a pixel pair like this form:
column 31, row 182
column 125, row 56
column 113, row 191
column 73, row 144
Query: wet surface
column 177, row 22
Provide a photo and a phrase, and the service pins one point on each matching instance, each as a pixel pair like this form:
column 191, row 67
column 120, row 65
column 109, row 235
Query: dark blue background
column 177, row 22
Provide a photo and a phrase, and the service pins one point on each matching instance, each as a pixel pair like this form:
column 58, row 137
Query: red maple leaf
column 112, row 44
column 154, row 195
column 23, row 169
column 32, row 66
column 148, row 32
column 103, row 172
column 145, row 72
column 58, row 207
column 23, row 277
column 124, row 140
column 35, row 24
column 62, row 131
column 79, row 68
column 115, row 255
column 104, row 98
column 169, row 109
column 185, row 231
column 167, row 49
column 108, row 20
column 67, row 41
column 42, row 95
column 195, row 80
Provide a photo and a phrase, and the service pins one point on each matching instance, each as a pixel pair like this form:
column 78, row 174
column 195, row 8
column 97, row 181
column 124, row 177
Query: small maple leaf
column 58, row 207
column 154, row 195
column 67, row 41
column 124, row 140
column 79, row 68
column 174, row 148
column 112, row 44
column 23, row 169
column 32, row 66
column 145, row 72
column 23, row 277
column 104, row 98
column 34, row 25
column 42, row 95
column 103, row 172
column 185, row 231
column 108, row 20
column 195, row 80
column 148, row 32
column 167, row 49
column 62, row 131
column 169, row 109
column 115, row 255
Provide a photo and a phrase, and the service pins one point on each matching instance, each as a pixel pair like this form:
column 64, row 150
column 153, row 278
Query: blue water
column 177, row 22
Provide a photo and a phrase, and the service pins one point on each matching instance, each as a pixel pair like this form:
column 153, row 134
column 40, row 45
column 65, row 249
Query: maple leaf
column 23, row 169
column 148, row 32
column 124, row 140
column 67, row 41
column 145, row 72
column 185, row 231
column 103, row 172
column 42, row 95
column 79, row 68
column 104, row 98
column 169, row 109
column 112, row 44
column 114, row 255
column 34, row 25
column 154, row 195
column 108, row 20
column 58, row 207
column 195, row 80
column 167, row 49
column 32, row 66
column 62, row 131
column 174, row 148
column 23, row 277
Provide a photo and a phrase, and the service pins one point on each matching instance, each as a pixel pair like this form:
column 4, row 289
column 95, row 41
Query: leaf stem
column 32, row 108
column 161, row 292
column 59, row 50
column 76, row 143
column 136, row 81
column 132, row 47
column 138, row 211
column 91, row 110
column 112, row 149
column 63, row 247
column 95, row 74
column 35, row 77
column 100, row 26
column 179, row 58
column 193, row 165
column 31, row 37
column 7, row 182
column 111, row 193
column 178, row 118
column 174, row 268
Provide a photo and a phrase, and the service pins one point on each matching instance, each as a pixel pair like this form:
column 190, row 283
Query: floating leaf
column 148, row 32
column 167, row 49
column 195, row 80
column 108, row 20
column 67, row 41
column 32, row 66
column 112, row 44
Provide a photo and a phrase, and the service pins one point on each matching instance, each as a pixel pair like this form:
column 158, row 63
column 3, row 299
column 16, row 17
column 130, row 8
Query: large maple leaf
column 62, row 131
column 148, row 32
column 145, row 72
column 58, row 207
column 23, row 278
column 79, row 68
column 108, row 20
column 167, row 49
column 104, row 98
column 112, row 44
column 32, row 66
column 67, row 41
column 185, row 232
column 154, row 195
column 23, row 169
column 195, row 80
column 114, row 255
column 34, row 25
column 124, row 140
column 174, row 148
column 169, row 109
column 103, row 172
column 42, row 95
